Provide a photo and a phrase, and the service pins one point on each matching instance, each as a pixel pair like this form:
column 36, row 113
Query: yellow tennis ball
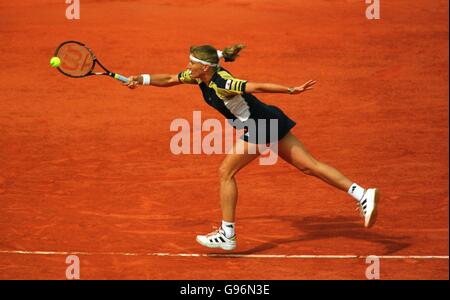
column 55, row 62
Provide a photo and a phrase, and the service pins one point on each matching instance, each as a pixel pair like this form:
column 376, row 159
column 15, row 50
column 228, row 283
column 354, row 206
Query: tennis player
column 234, row 99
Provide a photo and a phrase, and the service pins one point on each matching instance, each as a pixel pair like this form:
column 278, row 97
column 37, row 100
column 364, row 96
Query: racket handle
column 121, row 78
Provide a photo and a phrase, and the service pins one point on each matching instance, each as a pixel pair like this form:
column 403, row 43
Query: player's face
column 196, row 69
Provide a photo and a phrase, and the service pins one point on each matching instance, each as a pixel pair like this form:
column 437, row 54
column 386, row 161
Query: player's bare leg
column 292, row 151
column 238, row 157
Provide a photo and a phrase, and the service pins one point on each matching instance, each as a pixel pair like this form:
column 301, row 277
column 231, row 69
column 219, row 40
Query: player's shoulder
column 223, row 74
column 222, row 78
column 227, row 84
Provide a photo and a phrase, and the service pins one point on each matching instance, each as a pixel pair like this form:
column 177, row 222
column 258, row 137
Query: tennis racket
column 77, row 61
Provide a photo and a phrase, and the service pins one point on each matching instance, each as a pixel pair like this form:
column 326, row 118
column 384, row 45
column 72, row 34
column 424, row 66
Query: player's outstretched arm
column 256, row 87
column 161, row 80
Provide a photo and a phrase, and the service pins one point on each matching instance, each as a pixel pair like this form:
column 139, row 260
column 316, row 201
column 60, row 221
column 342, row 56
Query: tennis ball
column 55, row 62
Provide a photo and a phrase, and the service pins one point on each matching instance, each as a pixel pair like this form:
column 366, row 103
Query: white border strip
column 24, row 252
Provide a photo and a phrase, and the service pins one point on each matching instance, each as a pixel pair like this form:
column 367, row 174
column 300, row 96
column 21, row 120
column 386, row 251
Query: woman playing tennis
column 234, row 99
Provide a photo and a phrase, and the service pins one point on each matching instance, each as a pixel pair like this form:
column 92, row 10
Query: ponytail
column 232, row 52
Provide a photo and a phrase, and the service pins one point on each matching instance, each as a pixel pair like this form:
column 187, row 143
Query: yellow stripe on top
column 228, row 83
column 233, row 85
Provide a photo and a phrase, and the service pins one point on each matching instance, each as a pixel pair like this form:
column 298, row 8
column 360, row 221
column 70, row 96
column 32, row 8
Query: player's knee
column 226, row 173
column 307, row 171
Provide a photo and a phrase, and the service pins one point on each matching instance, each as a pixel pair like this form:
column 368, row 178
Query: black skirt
column 265, row 126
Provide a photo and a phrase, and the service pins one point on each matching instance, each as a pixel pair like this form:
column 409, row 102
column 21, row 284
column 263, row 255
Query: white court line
column 23, row 252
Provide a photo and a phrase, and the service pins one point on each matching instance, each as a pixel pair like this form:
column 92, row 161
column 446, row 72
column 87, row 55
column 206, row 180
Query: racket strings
column 76, row 60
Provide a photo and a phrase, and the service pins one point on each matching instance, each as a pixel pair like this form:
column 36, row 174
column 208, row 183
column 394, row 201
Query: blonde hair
column 209, row 54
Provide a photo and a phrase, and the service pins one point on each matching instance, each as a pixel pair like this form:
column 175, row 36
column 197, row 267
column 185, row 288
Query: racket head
column 77, row 60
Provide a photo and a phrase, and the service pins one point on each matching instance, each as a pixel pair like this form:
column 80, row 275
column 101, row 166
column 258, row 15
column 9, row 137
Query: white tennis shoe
column 217, row 239
column 368, row 207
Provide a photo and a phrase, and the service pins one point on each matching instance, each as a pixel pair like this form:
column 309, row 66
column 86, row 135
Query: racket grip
column 121, row 78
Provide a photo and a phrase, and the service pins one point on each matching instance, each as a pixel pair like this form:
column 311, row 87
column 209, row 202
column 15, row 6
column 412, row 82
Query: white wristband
column 219, row 54
column 146, row 79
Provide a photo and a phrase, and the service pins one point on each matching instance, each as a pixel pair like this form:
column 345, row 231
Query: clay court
column 86, row 168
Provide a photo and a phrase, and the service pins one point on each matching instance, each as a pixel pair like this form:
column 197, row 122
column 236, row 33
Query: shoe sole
column 374, row 216
column 228, row 248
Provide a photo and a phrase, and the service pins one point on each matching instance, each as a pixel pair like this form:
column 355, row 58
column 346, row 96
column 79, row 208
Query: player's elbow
column 173, row 79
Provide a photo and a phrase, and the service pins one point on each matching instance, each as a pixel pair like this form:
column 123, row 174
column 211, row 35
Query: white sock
column 356, row 191
column 228, row 228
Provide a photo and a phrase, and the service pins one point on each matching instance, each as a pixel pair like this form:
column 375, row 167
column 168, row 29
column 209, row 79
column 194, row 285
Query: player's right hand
column 133, row 82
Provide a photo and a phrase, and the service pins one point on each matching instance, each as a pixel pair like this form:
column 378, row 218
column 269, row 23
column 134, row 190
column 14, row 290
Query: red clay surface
column 85, row 164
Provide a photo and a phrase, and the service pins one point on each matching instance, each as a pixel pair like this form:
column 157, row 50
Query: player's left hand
column 304, row 87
